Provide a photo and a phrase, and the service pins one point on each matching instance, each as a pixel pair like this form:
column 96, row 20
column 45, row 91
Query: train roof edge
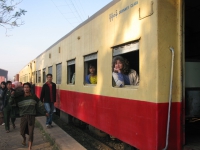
column 113, row 2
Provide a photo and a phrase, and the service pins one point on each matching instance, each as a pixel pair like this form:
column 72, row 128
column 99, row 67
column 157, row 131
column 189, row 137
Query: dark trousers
column 8, row 116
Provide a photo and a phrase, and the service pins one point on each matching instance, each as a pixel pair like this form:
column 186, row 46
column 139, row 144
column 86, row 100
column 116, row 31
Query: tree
column 9, row 17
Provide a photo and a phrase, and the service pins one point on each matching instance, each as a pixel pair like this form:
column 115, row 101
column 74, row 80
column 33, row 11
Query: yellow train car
column 150, row 35
column 27, row 74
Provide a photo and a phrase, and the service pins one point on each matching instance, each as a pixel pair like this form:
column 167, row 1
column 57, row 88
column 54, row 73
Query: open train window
column 44, row 75
column 125, row 65
column 39, row 76
column 71, row 71
column 58, row 73
column 90, row 69
column 36, row 80
column 50, row 69
column 33, row 78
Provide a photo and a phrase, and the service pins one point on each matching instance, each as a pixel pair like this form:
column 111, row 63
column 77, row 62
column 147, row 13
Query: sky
column 45, row 22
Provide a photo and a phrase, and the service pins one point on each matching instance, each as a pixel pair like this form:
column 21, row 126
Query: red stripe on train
column 138, row 123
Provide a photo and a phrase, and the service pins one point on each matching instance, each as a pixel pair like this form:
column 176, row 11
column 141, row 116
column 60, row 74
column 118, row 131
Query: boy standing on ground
column 48, row 97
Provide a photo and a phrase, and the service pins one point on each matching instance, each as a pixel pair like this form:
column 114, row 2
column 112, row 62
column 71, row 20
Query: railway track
column 89, row 140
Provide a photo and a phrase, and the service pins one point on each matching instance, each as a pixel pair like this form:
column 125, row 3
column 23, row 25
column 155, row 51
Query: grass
column 47, row 136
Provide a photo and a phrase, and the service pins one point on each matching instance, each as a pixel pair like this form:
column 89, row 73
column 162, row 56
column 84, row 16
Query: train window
column 90, row 69
column 36, row 80
column 33, row 78
column 125, row 65
column 39, row 76
column 24, row 78
column 50, row 69
column 58, row 73
column 49, row 55
column 71, row 71
column 44, row 75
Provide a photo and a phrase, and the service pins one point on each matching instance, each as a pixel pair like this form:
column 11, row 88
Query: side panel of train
column 136, row 115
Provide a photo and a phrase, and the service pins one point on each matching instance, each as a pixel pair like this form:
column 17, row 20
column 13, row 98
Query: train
column 160, row 40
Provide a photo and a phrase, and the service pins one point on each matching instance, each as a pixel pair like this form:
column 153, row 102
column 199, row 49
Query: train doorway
column 191, row 89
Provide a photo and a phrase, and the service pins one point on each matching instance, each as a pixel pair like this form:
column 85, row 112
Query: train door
column 191, row 75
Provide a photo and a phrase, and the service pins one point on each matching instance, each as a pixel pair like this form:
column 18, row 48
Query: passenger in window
column 122, row 74
column 92, row 77
column 73, row 78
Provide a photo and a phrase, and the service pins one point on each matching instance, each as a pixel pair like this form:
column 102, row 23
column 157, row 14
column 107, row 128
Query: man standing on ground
column 48, row 97
column 2, row 89
column 8, row 112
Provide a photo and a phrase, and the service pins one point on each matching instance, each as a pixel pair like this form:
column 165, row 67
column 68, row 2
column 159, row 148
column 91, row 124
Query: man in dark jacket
column 2, row 89
column 48, row 97
column 8, row 111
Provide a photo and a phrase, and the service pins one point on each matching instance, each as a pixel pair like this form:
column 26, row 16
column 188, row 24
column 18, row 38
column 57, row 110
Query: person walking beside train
column 7, row 108
column 92, row 77
column 122, row 74
column 48, row 97
column 29, row 106
column 18, row 91
column 2, row 89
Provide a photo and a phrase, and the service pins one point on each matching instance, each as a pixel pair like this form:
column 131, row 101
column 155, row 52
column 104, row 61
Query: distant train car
column 151, row 36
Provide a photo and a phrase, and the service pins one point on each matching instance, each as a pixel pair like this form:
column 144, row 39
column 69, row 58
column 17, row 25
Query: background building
column 16, row 77
column 3, row 75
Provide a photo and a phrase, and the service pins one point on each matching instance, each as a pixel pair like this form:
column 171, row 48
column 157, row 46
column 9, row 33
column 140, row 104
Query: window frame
column 59, row 78
column 70, row 63
column 39, row 76
column 36, row 79
column 44, row 75
column 125, row 49
column 88, row 58
column 50, row 68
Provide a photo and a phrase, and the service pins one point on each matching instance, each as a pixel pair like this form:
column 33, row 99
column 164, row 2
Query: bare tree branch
column 9, row 16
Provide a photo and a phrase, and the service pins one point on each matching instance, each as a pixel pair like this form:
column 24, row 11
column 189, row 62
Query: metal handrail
column 170, row 99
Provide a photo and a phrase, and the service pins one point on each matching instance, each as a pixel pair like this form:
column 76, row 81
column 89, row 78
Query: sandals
column 14, row 126
column 24, row 142
column 7, row 131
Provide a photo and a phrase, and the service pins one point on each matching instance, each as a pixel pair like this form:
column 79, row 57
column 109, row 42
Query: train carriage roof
column 83, row 23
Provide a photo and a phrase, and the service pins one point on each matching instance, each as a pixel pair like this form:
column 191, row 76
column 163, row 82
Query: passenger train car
column 160, row 40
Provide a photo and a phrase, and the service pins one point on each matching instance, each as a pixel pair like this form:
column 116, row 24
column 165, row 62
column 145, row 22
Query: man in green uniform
column 8, row 113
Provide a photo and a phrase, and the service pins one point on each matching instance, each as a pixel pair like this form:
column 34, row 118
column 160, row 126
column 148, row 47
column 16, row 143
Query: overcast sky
column 45, row 22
